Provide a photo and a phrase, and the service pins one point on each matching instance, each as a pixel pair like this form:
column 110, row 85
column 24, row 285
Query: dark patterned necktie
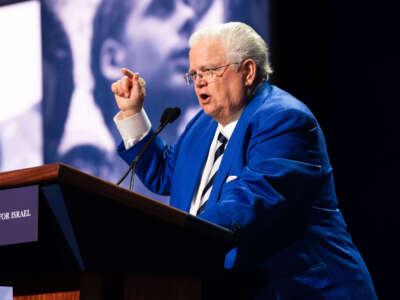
column 217, row 161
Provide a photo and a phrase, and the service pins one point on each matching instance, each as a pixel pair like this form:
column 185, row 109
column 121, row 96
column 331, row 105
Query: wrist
column 128, row 113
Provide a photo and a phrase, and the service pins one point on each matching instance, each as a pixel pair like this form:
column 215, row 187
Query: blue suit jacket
column 292, row 237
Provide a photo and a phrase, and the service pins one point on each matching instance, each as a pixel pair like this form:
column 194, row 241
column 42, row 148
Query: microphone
column 169, row 115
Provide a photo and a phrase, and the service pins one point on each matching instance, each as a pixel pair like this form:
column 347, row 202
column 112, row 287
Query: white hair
column 241, row 42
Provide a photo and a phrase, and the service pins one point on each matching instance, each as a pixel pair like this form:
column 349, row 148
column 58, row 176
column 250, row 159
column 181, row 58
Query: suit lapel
column 196, row 159
column 236, row 141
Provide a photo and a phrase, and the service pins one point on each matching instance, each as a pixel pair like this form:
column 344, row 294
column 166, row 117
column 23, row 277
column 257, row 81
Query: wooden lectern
column 96, row 240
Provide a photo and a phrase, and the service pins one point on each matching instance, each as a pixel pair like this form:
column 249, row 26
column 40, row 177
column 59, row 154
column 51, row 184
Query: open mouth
column 204, row 96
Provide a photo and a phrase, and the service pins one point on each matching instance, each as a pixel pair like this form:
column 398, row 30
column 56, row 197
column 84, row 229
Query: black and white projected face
column 154, row 39
column 149, row 37
column 20, row 86
column 163, row 59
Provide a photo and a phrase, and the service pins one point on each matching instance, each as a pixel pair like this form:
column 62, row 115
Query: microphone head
column 165, row 115
column 170, row 115
column 174, row 114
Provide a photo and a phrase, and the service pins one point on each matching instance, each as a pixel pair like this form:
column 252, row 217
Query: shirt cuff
column 133, row 128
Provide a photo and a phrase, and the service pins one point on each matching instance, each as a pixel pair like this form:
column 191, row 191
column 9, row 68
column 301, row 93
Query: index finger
column 127, row 73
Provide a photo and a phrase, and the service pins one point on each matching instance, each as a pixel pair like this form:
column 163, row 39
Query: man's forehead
column 205, row 53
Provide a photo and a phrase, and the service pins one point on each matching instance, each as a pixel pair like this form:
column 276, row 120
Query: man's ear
column 112, row 59
column 249, row 69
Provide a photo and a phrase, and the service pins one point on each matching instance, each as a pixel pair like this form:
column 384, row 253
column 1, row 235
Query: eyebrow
column 202, row 68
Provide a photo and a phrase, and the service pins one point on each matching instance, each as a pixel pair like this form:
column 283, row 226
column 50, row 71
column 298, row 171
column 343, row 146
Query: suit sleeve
column 286, row 167
column 156, row 167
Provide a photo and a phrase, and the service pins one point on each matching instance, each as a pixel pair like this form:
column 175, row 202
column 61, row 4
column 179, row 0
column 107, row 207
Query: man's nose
column 187, row 16
column 199, row 80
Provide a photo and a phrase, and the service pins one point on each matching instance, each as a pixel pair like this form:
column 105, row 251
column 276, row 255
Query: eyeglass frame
column 189, row 78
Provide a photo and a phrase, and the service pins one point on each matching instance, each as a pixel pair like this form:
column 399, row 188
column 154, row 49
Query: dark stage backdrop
column 342, row 59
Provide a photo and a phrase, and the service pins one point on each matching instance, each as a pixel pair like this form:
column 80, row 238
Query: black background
column 341, row 59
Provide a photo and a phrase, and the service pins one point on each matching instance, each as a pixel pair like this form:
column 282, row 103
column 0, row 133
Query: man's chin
column 209, row 111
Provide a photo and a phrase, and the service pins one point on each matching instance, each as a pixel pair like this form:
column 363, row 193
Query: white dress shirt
column 134, row 128
column 227, row 131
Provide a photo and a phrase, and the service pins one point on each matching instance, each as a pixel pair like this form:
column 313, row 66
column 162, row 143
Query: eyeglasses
column 207, row 75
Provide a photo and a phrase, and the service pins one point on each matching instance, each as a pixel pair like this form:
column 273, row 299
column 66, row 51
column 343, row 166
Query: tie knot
column 222, row 139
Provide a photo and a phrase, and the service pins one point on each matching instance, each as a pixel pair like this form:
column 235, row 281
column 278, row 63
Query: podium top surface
column 59, row 173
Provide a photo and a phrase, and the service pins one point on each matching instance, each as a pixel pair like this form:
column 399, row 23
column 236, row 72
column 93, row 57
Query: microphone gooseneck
column 168, row 116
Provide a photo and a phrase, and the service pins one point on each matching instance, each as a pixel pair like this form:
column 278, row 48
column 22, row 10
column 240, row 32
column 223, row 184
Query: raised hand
column 129, row 93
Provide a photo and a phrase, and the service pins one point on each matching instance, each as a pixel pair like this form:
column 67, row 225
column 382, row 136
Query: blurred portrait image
column 85, row 46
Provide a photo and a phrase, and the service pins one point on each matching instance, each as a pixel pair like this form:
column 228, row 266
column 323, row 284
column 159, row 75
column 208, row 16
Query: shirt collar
column 228, row 129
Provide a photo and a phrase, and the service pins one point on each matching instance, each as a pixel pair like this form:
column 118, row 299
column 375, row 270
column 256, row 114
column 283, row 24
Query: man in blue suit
column 254, row 160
